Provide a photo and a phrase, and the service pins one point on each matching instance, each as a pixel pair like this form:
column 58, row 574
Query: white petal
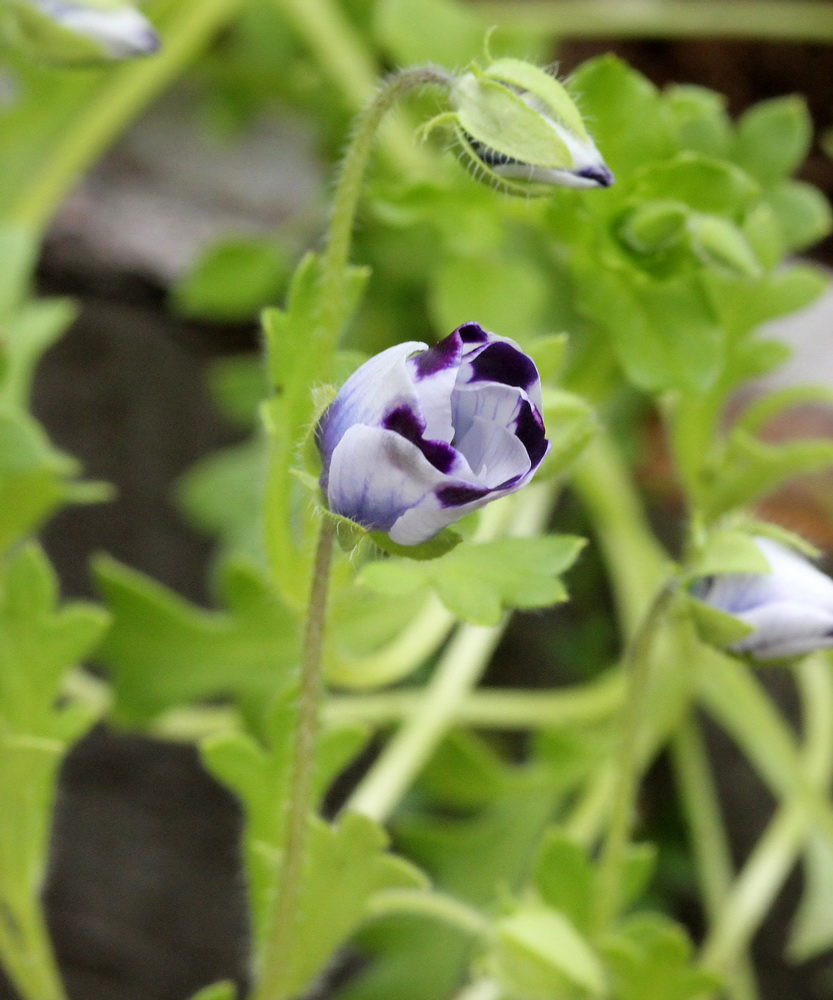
column 378, row 386
column 376, row 475
column 795, row 577
column 785, row 628
column 122, row 32
column 494, row 453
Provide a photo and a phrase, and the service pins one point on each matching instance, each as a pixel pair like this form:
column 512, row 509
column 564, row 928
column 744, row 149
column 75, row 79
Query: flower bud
column 66, row 30
column 417, row 437
column 788, row 611
column 518, row 125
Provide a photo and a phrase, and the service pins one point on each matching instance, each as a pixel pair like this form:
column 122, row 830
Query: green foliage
column 40, row 642
column 232, row 281
column 651, row 959
column 477, row 581
column 161, row 651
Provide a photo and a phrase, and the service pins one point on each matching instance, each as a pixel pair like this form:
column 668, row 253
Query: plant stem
column 638, row 661
column 795, row 21
column 634, row 559
column 300, row 801
column 458, row 671
column 709, row 843
column 491, row 709
column 119, row 97
column 430, row 904
column 775, row 855
column 27, row 955
column 348, row 191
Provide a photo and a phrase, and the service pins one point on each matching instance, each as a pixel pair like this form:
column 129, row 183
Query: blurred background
column 171, row 245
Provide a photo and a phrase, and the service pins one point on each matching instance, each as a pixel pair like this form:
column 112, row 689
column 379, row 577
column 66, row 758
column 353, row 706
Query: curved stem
column 119, row 97
column 638, row 662
column 348, row 190
column 709, row 843
column 300, row 803
column 773, row 859
column 491, row 709
column 430, row 904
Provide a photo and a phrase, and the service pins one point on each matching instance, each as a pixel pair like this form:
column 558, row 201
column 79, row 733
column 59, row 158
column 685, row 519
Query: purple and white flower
column 119, row 29
column 417, row 436
column 789, row 610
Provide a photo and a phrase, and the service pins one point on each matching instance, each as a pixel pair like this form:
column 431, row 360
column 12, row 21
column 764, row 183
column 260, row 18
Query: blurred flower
column 519, row 126
column 73, row 29
column 788, row 610
column 417, row 437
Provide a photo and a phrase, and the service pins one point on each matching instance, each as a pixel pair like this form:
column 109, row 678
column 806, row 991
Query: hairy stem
column 300, row 803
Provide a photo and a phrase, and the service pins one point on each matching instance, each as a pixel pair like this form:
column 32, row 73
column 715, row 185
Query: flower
column 789, row 610
column 519, row 126
column 116, row 30
column 417, row 437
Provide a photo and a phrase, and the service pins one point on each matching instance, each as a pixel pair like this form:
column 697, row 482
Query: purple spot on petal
column 472, row 333
column 457, row 496
column 599, row 175
column 529, row 430
column 503, row 363
column 405, row 422
column 445, row 354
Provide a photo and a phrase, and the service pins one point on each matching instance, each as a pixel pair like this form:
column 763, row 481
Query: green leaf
column 728, row 551
column 773, row 138
column 700, row 182
column 162, row 651
column 565, row 878
column 699, row 119
column 419, row 31
column 505, row 292
column 751, row 468
column 571, row 424
column 628, row 120
column 652, row 959
column 715, row 627
column 721, row 244
column 346, row 865
column 811, row 933
column 222, row 495
column 803, row 214
column 258, row 775
column 538, row 954
column 24, row 336
column 238, row 386
column 548, row 354
column 477, row 580
column 217, row 991
column 18, row 253
column 232, row 281
column 41, row 643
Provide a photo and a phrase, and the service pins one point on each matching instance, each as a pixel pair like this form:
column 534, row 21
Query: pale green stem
column 300, row 798
column 491, row 709
column 709, row 843
column 480, row 989
column 796, row 21
column 429, row 904
column 456, row 674
column 634, row 559
column 775, row 855
column 628, row 766
column 118, row 99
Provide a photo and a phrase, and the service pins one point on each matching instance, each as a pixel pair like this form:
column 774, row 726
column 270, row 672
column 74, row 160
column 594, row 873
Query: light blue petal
column 785, row 628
